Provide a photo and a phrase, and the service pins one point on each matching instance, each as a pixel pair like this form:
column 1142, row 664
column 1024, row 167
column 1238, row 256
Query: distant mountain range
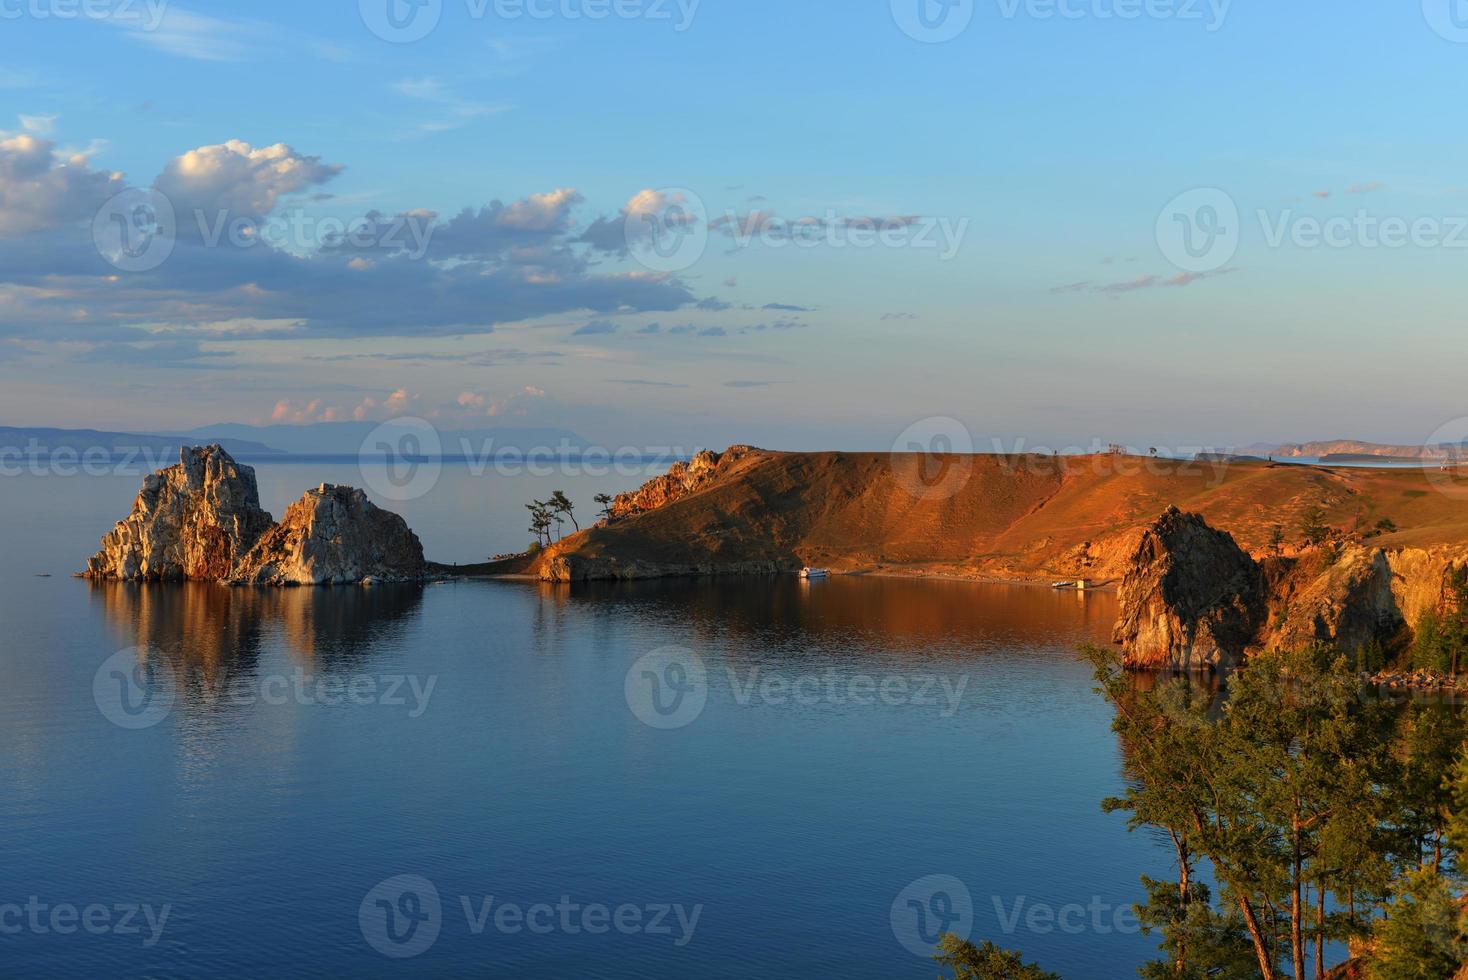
column 44, row 442
column 347, row 438
column 1351, row 447
column 321, row 439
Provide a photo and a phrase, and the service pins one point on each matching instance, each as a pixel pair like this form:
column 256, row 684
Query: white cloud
column 541, row 212
column 196, row 37
column 40, row 189
column 506, row 262
column 239, row 178
column 287, row 412
column 163, row 25
column 454, row 111
column 39, row 125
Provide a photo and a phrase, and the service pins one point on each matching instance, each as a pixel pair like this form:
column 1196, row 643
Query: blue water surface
column 856, row 738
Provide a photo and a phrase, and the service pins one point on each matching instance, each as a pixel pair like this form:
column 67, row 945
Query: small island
column 201, row 521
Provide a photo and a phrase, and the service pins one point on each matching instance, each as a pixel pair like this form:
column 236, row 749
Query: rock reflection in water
column 859, row 615
column 209, row 636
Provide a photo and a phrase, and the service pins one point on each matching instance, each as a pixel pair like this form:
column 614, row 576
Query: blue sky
column 1017, row 171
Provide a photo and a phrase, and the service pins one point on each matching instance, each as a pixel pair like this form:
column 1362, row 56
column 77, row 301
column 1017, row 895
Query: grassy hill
column 1011, row 517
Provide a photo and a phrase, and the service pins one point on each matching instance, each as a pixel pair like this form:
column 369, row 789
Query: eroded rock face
column 680, row 480
column 1192, row 599
column 333, row 536
column 190, row 521
column 1344, row 598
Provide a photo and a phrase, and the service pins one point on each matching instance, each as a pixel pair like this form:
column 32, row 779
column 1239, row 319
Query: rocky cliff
column 190, row 521
column 681, row 480
column 1192, row 598
column 1341, row 595
column 1029, row 517
column 333, row 536
column 201, row 521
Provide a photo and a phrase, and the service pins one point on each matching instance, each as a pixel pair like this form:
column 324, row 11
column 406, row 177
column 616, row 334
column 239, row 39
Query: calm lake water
column 760, row 778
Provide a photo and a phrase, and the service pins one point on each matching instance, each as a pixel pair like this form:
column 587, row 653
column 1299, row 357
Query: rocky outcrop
column 680, row 480
column 1420, row 579
column 1191, row 600
column 201, row 521
column 333, row 536
column 190, row 521
column 1336, row 595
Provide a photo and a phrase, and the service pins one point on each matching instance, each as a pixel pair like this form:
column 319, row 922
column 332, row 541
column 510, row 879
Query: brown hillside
column 1011, row 517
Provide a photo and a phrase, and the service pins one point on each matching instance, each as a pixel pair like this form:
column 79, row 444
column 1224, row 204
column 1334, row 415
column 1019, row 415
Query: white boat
column 815, row 572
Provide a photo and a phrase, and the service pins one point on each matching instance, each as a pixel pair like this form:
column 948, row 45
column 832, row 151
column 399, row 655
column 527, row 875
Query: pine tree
column 986, row 962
